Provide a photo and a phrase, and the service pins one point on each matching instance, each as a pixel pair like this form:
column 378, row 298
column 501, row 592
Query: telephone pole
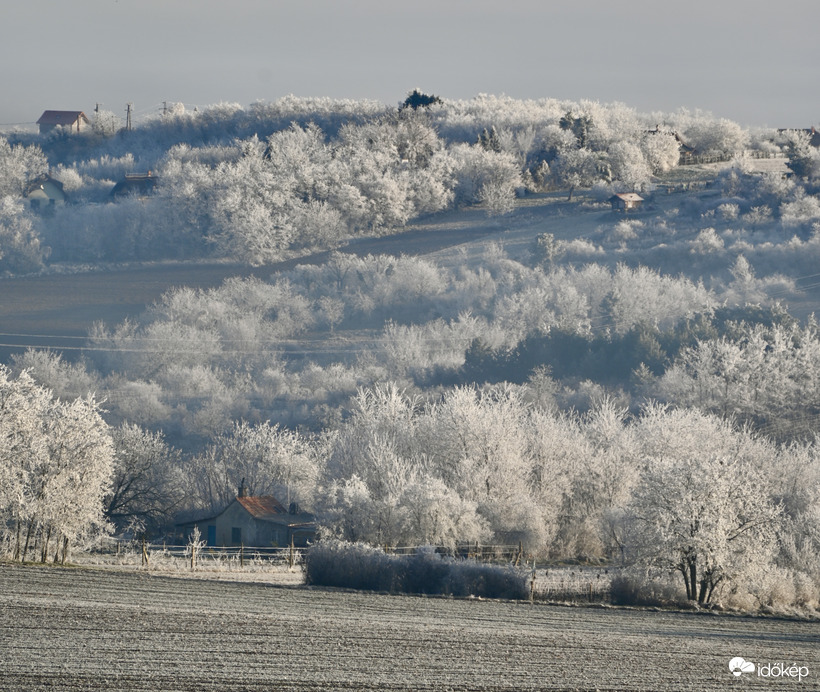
column 128, row 108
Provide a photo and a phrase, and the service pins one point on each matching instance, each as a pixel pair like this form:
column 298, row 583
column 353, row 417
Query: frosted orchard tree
column 78, row 476
column 56, row 459
column 23, row 405
column 702, row 505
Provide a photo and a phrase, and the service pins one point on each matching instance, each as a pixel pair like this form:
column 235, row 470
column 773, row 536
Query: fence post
column 291, row 559
column 532, row 583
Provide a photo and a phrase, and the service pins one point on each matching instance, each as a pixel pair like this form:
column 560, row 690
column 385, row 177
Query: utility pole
column 164, row 108
column 128, row 108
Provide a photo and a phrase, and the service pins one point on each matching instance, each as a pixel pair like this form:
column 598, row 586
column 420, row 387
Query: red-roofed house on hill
column 260, row 522
column 73, row 121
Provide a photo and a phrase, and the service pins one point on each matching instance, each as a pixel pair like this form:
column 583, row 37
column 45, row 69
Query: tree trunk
column 44, row 551
column 28, row 538
column 693, row 575
column 65, row 550
column 17, row 543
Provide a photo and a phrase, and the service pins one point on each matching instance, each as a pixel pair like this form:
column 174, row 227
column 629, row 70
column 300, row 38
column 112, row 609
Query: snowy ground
column 79, row 629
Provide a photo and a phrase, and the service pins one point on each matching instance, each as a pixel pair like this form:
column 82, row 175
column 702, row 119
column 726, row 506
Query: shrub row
column 359, row 566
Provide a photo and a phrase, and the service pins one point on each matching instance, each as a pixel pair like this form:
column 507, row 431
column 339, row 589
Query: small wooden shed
column 135, row 185
column 625, row 201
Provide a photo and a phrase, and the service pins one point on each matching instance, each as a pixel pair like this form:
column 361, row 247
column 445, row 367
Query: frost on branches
column 56, row 461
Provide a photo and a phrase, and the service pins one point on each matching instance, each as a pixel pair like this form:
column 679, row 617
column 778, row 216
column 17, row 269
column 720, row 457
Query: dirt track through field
column 75, row 629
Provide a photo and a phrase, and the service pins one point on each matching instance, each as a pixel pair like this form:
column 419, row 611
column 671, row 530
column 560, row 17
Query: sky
column 751, row 61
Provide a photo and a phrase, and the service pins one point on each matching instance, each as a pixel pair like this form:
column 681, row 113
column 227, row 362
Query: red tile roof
column 264, row 507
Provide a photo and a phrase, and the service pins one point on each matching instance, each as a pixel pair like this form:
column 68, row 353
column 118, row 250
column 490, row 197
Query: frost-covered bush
column 349, row 565
column 728, row 211
column 20, row 247
column 707, row 241
column 637, row 586
column 359, row 566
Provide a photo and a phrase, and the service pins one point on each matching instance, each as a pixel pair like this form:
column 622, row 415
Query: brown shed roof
column 628, row 197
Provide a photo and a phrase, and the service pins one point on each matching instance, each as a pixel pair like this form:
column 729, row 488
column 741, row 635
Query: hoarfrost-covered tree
column 19, row 165
column 146, row 486
column 702, row 505
column 20, row 247
column 56, row 461
column 576, row 168
column 70, row 501
column 23, row 450
column 662, row 151
column 271, row 460
column 804, row 159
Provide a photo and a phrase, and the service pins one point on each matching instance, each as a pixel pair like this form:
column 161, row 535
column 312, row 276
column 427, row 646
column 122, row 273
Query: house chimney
column 242, row 490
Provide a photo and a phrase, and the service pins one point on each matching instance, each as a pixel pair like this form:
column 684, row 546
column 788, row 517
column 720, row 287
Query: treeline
column 200, row 359
column 676, row 491
column 259, row 183
column 294, row 350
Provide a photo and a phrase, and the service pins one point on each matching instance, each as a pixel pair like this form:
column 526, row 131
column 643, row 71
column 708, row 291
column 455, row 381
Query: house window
column 236, row 535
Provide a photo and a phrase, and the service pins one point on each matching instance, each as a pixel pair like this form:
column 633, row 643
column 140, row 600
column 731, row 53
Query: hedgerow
column 360, row 566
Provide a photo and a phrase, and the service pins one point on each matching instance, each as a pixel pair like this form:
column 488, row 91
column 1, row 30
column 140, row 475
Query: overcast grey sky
column 753, row 61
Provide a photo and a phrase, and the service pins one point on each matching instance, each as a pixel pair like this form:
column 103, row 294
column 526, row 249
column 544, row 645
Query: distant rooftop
column 61, row 117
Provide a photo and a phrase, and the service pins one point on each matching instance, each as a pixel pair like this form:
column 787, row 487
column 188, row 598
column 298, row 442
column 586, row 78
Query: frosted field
column 77, row 629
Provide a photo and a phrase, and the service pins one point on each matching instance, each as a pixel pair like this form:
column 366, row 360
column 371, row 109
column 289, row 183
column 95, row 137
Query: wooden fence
column 693, row 159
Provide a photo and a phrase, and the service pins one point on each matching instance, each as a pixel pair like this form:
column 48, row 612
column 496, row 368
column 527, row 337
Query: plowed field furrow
column 64, row 629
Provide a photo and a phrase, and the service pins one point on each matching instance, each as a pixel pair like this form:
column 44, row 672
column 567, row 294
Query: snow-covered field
column 80, row 629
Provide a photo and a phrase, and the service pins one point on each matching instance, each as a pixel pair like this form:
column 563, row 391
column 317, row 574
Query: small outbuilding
column 135, row 185
column 260, row 522
column 44, row 193
column 72, row 121
column 625, row 201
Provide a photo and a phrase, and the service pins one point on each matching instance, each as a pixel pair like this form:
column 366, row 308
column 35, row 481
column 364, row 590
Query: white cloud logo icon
column 740, row 665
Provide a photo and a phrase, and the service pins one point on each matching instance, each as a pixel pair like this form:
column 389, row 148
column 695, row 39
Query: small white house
column 73, row 121
column 45, row 192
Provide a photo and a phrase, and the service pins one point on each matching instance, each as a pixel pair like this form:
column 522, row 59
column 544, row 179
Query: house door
column 212, row 535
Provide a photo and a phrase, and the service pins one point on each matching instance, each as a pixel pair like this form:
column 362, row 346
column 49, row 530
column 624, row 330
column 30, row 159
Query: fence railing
column 573, row 584
column 241, row 554
column 588, row 584
column 693, row 159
